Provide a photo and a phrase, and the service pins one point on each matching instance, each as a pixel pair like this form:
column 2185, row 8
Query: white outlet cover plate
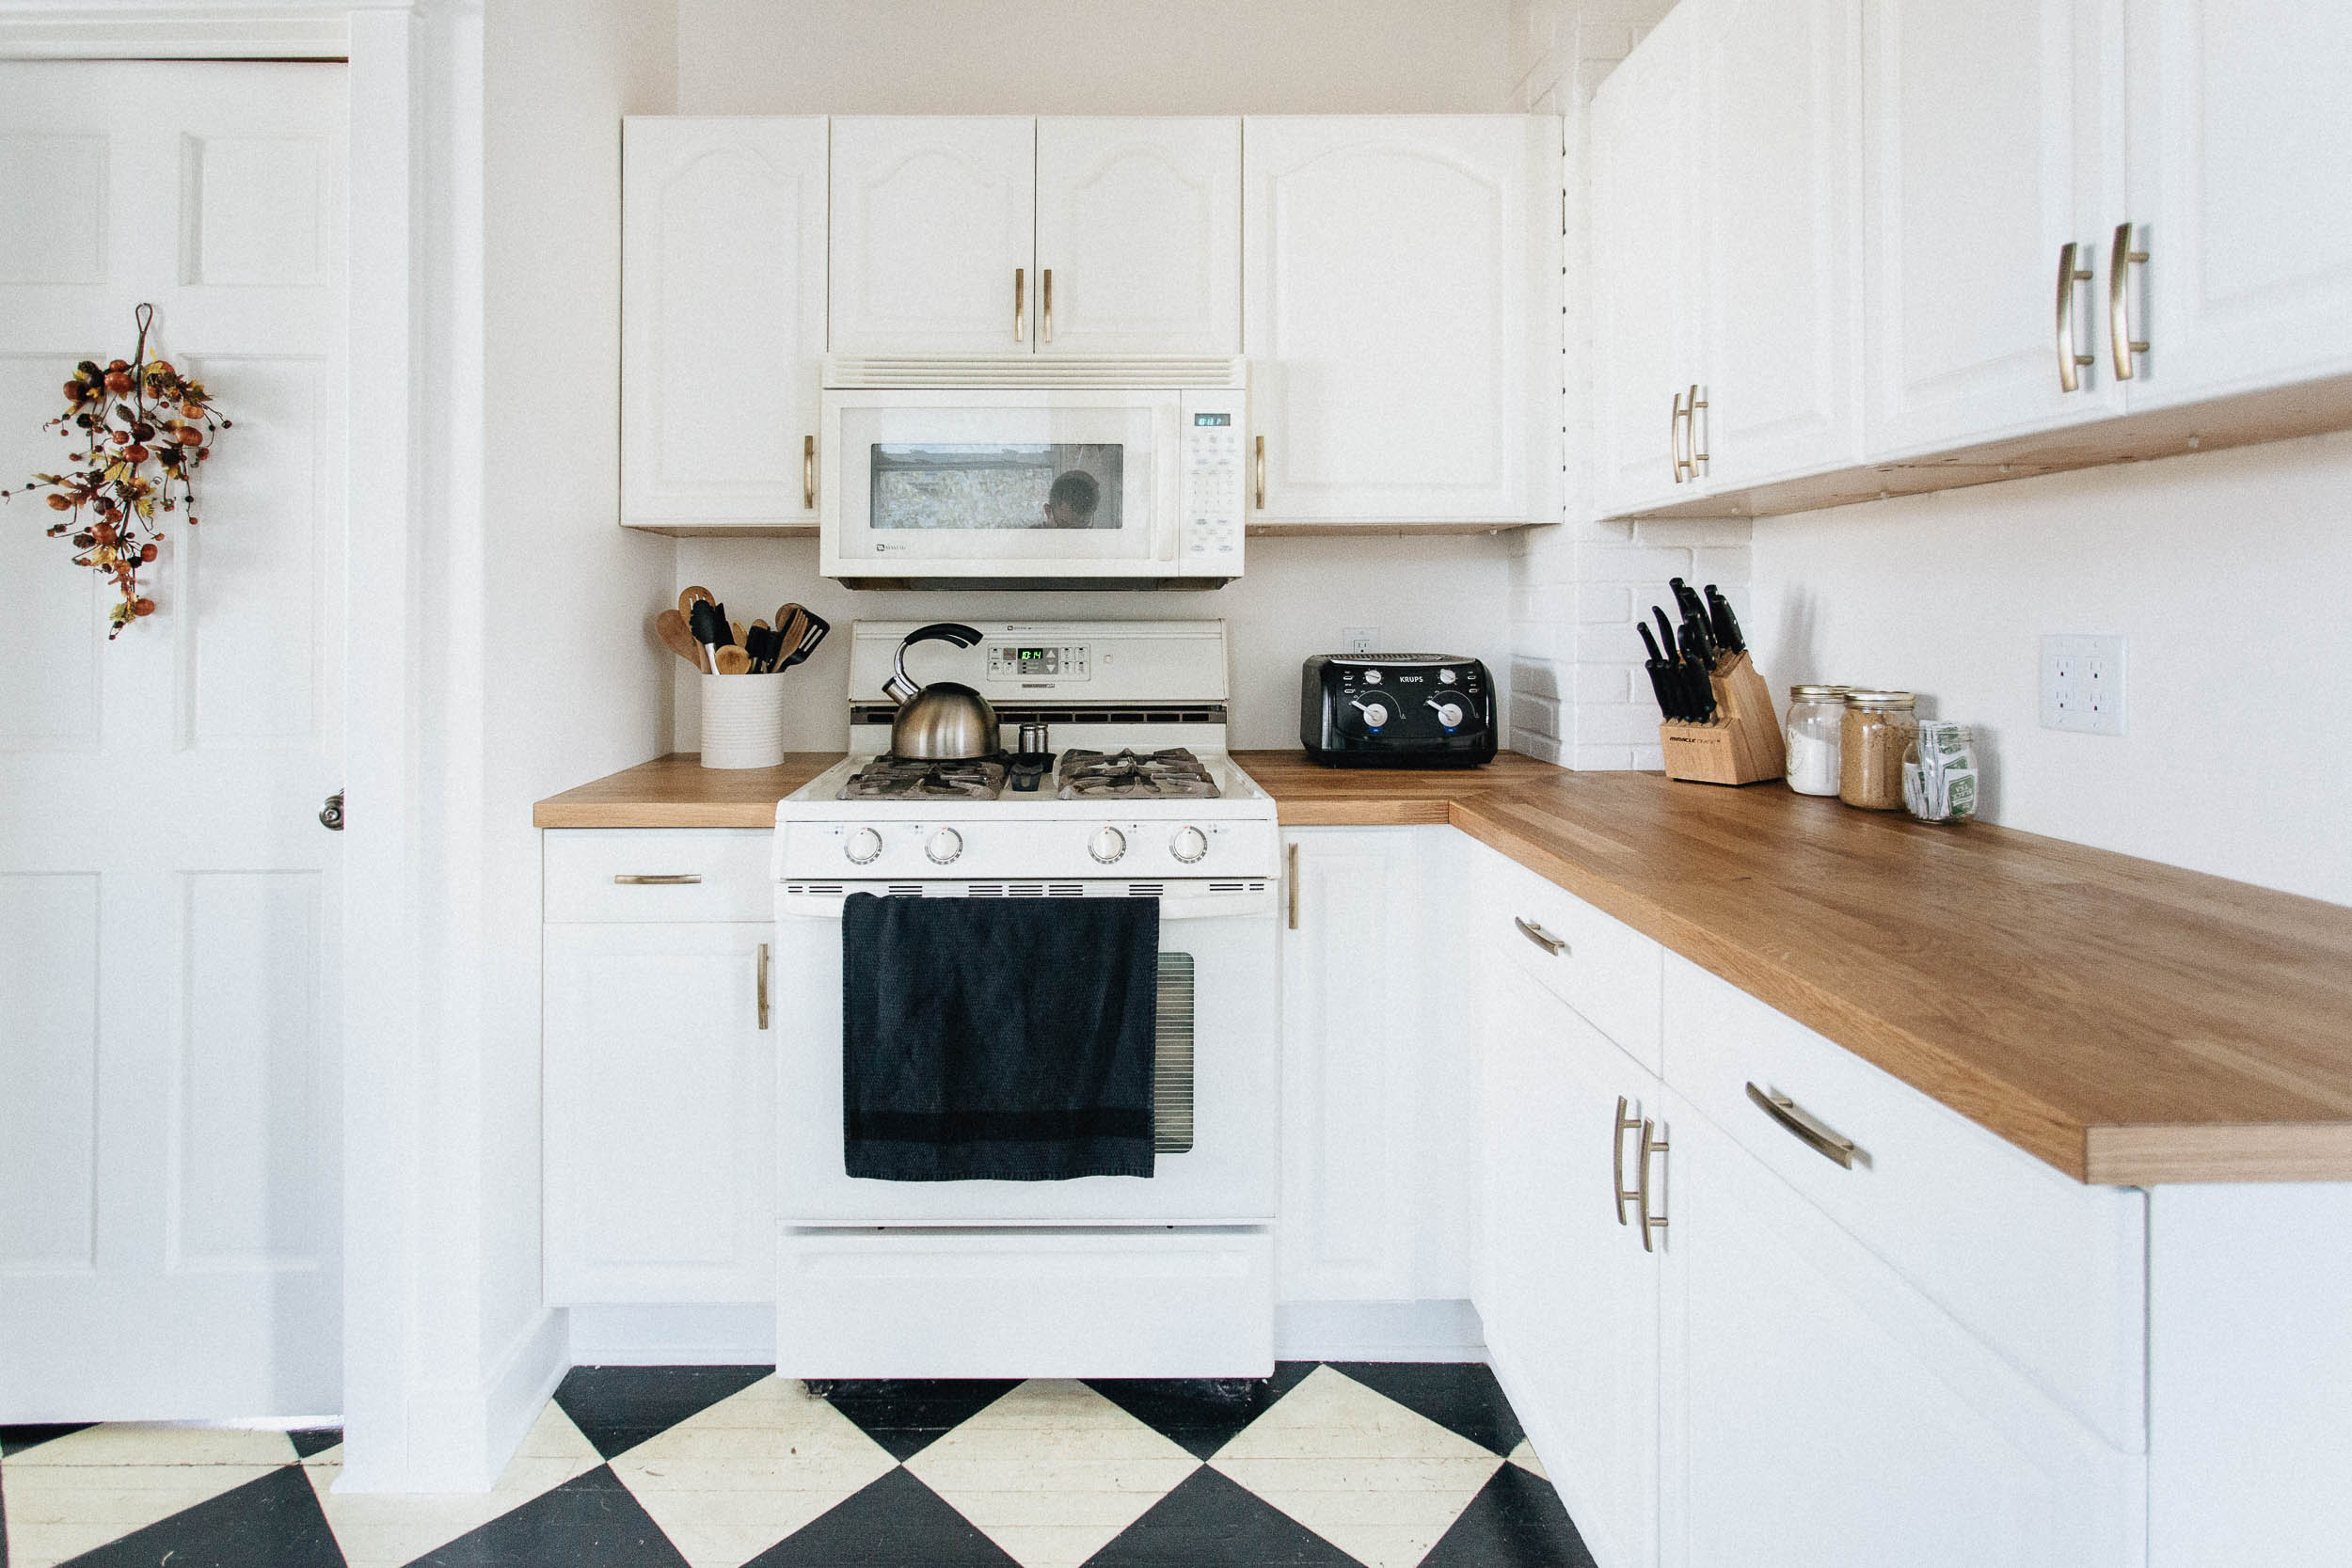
column 1361, row 640
column 2082, row 684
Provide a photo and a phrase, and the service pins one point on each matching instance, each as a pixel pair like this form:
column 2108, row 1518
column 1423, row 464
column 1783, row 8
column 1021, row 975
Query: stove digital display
column 1031, row 658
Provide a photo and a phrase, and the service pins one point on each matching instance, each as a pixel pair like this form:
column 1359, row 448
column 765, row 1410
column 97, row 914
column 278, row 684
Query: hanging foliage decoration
column 143, row 430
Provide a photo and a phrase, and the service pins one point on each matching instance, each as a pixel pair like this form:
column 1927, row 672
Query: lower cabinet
column 660, row 1095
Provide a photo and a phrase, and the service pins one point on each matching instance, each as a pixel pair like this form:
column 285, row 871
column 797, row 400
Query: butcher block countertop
column 2127, row 1023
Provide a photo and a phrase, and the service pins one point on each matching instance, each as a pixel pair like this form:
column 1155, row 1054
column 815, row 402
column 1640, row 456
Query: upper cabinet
column 722, row 265
column 933, row 234
column 1138, row 236
column 1402, row 317
column 1976, row 200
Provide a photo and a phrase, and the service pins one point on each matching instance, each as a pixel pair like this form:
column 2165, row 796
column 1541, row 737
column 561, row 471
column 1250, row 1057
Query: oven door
column 1003, row 483
column 1217, row 1114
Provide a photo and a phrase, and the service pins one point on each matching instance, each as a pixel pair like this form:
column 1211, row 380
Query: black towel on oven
column 997, row 1040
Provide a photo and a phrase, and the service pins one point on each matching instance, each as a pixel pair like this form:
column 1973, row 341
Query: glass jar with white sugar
column 1817, row 716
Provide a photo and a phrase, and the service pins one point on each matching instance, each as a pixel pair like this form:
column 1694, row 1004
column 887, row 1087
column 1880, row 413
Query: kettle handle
column 899, row 688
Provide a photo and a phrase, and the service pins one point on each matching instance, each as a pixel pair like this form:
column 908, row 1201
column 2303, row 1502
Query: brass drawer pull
column 763, row 984
column 666, row 878
column 1652, row 1222
column 1616, row 1158
column 1020, row 305
column 1803, row 1126
column 1293, row 887
column 2120, row 264
column 2069, row 359
column 1260, row 449
column 1540, row 937
column 1698, row 441
column 1673, row 439
column 808, row 472
column 1045, row 303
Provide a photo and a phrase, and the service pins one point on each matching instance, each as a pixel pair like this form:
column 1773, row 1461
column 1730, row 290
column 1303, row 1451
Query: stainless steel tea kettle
column 944, row 721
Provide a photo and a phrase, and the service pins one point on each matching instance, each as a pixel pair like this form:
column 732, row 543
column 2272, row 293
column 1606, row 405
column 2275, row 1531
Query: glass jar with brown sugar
column 1878, row 730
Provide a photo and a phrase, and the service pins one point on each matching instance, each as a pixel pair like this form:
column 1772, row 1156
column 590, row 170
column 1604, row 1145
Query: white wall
column 2229, row 573
column 1090, row 57
column 1439, row 593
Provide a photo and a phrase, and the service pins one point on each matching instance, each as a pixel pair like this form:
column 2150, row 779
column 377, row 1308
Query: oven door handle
column 823, row 901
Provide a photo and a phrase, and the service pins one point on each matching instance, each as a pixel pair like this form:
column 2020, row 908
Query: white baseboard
column 459, row 1439
column 1378, row 1331
column 742, row 1336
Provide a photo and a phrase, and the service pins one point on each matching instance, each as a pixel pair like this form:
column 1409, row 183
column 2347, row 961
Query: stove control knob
column 943, row 847
column 1188, row 844
column 863, row 846
column 1107, row 845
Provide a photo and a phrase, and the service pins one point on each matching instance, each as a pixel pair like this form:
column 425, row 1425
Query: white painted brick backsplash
column 1617, row 724
column 1604, row 604
column 1690, row 531
column 1653, row 757
column 1594, row 759
column 1537, row 715
column 1543, row 748
column 1610, row 683
column 1723, row 563
column 1535, row 677
column 1634, row 563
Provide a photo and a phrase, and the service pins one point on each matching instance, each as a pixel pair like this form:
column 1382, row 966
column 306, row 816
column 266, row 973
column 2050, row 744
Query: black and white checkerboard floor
column 1389, row 1465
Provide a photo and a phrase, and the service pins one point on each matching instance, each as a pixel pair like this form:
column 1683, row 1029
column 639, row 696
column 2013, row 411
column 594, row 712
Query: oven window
column 964, row 487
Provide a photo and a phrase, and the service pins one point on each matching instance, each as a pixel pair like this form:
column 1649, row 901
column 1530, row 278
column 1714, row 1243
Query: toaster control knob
column 943, row 847
column 1445, row 677
column 1375, row 714
column 1107, row 845
column 1449, row 714
column 863, row 846
column 1188, row 844
column 1372, row 677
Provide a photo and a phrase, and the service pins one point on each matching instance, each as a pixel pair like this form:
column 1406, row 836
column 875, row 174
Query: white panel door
column 1398, row 364
column 933, row 238
column 169, row 898
column 1646, row 275
column 723, row 264
column 1138, row 236
column 2241, row 152
column 1992, row 138
column 1816, row 1409
column 1779, row 157
column 660, row 1096
column 1568, row 1296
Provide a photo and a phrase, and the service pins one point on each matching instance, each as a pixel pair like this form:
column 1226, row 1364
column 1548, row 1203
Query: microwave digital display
column 1213, row 419
column 970, row 486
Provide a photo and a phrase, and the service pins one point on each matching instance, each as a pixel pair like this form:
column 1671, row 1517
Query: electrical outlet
column 1361, row 640
column 2082, row 684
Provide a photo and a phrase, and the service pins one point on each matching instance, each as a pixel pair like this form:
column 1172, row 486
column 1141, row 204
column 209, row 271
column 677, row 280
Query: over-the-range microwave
column 1033, row 472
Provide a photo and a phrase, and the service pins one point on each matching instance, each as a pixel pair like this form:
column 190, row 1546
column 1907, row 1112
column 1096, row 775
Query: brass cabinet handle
column 1651, row 1222
column 2119, row 263
column 664, row 878
column 1674, row 438
column 1293, row 887
column 1540, row 937
column 1698, row 452
column 1020, row 305
column 1260, row 473
column 808, row 472
column 1616, row 1158
column 763, row 984
column 1045, row 303
column 2070, row 360
column 1815, row 1134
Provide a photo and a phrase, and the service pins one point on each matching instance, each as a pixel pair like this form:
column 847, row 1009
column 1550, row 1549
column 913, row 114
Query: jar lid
column 1816, row 693
column 1859, row 697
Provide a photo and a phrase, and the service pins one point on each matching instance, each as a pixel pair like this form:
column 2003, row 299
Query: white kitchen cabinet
column 2241, row 148
column 1815, row 1408
column 1378, row 1162
column 1138, row 236
column 1401, row 311
column 659, row 1091
column 1567, row 1292
column 722, row 301
column 932, row 235
column 1994, row 136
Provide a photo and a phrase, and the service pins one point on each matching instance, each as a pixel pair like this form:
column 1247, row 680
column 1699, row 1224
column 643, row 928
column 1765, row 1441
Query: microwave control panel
column 1209, row 538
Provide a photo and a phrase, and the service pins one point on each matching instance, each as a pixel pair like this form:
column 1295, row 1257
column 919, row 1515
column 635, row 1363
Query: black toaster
column 1396, row 711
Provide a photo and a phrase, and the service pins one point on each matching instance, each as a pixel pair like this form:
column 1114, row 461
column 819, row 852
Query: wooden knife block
column 1741, row 745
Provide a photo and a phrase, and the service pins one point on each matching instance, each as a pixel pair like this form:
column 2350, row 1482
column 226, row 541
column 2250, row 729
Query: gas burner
column 1175, row 774
column 913, row 779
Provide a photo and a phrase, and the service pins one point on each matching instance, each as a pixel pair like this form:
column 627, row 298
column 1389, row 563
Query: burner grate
column 1175, row 774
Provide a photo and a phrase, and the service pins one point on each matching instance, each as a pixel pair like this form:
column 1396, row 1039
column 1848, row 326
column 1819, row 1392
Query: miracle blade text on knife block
column 1741, row 745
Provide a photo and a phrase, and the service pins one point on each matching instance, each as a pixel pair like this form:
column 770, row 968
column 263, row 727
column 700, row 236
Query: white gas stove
column 1165, row 1276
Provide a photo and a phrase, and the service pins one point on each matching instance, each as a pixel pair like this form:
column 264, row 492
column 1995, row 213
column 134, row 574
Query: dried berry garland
column 144, row 428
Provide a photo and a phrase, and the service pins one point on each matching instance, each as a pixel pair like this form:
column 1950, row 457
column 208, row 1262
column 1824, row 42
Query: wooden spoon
column 687, row 601
column 737, row 627
column 670, row 627
column 794, row 626
column 734, row 661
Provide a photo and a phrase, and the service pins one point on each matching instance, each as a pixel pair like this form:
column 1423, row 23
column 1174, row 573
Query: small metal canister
column 1033, row 739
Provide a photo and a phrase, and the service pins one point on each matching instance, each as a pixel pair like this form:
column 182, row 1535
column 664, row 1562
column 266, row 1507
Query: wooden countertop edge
column 558, row 813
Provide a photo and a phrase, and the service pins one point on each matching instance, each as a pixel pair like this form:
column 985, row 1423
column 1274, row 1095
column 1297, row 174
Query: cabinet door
column 1779, row 161
column 2241, row 152
column 722, row 265
column 660, row 1109
column 1138, row 236
column 1993, row 138
column 931, row 224
column 1814, row 1408
column 1568, row 1297
column 1646, row 270
column 1390, row 267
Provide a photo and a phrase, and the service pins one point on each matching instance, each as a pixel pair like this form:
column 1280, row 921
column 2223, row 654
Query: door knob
column 331, row 813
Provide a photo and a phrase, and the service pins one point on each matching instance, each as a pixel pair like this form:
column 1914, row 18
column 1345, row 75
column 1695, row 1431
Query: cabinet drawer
column 2047, row 1272
column 1605, row 969
column 623, row 874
